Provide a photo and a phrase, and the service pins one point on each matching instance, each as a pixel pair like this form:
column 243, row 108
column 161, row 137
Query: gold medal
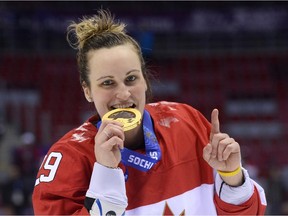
column 129, row 117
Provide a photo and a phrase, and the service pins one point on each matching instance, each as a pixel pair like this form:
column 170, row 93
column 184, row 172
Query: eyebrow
column 105, row 77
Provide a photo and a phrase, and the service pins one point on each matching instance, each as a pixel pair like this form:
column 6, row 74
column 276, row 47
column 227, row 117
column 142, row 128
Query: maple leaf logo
column 167, row 211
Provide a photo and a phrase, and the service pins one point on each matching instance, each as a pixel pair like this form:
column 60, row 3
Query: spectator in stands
column 165, row 165
column 25, row 158
column 277, row 193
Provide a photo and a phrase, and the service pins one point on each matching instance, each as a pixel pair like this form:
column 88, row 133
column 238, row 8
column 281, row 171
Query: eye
column 131, row 78
column 107, row 83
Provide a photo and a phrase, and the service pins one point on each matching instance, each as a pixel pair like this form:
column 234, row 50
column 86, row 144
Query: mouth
column 123, row 106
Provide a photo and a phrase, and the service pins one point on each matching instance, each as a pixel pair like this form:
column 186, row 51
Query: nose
column 123, row 92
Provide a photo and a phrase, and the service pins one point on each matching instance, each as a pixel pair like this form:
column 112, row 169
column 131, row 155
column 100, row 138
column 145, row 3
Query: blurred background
column 226, row 55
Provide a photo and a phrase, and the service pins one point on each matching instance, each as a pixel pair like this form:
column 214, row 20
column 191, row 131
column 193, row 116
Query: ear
column 87, row 92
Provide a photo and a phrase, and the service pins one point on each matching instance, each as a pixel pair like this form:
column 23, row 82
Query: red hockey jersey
column 181, row 183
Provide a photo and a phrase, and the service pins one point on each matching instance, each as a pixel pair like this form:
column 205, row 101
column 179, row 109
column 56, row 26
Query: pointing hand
column 222, row 152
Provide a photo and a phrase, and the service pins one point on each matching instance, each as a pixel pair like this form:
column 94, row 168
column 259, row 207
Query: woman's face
column 116, row 79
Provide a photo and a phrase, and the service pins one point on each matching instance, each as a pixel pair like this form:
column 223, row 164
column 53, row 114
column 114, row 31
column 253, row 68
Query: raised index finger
column 215, row 122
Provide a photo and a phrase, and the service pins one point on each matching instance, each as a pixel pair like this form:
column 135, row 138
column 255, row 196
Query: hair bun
column 88, row 27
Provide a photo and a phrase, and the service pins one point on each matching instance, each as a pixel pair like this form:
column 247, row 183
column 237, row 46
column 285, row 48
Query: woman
column 163, row 166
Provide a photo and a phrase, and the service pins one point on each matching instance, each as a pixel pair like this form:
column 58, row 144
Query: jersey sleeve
column 247, row 199
column 62, row 182
column 253, row 206
column 107, row 190
column 70, row 182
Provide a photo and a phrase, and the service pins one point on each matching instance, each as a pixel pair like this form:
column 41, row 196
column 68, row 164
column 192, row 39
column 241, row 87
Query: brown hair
column 100, row 31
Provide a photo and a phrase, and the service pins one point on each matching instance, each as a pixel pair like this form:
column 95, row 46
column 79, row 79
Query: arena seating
column 248, row 83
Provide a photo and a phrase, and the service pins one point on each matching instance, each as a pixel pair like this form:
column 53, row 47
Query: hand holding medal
column 125, row 120
column 110, row 137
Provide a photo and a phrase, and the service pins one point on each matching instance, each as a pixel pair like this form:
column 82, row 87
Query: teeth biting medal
column 129, row 117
